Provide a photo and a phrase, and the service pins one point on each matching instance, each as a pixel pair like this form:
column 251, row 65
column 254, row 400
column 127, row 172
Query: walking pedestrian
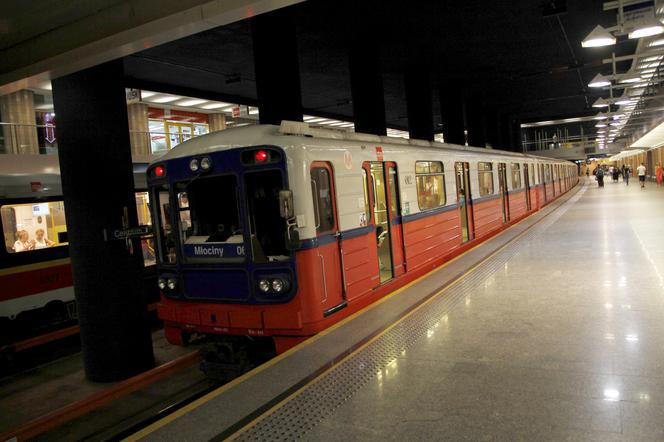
column 660, row 174
column 599, row 174
column 641, row 172
column 626, row 173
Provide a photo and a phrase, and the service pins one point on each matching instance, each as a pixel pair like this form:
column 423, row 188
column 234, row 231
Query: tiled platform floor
column 563, row 341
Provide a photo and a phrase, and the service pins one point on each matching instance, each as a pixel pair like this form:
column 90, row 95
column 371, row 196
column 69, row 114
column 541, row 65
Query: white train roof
column 266, row 134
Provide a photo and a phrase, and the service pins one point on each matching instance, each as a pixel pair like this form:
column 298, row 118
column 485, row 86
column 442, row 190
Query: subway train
column 274, row 233
column 36, row 292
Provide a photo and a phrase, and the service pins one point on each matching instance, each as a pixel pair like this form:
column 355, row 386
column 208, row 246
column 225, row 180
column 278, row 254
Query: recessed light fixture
column 191, row 102
column 216, row 105
column 165, row 99
column 146, row 94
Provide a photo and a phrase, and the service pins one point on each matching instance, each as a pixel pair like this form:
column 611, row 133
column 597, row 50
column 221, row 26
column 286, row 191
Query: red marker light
column 159, row 171
column 261, row 156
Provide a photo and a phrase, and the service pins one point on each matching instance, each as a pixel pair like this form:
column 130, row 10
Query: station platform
column 552, row 330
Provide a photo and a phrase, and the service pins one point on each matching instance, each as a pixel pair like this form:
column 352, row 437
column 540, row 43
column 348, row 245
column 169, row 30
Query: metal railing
column 17, row 138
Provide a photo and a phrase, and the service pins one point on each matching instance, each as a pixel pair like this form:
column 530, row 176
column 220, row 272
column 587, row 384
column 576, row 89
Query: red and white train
column 36, row 290
column 279, row 232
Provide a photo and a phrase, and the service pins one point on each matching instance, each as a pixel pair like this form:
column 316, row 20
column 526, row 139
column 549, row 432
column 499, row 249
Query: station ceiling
column 520, row 57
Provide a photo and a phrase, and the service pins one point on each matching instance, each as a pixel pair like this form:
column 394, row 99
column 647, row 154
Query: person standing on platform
column 660, row 174
column 587, row 172
column 641, row 172
column 599, row 174
column 626, row 173
column 616, row 174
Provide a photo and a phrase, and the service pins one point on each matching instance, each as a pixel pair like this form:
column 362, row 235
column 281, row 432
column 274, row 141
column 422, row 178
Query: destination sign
column 214, row 250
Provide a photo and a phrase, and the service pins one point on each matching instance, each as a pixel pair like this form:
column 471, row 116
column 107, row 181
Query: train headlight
column 193, row 165
column 264, row 285
column 277, row 285
column 206, row 163
column 171, row 283
column 161, row 283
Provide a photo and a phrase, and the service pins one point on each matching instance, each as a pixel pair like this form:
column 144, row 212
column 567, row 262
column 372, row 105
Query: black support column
column 366, row 84
column 98, row 187
column 452, row 112
column 276, row 66
column 418, row 100
column 475, row 123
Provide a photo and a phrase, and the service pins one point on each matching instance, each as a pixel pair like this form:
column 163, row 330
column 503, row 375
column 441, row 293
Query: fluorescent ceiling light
column 624, row 99
column 599, row 81
column 648, row 28
column 601, row 102
column 316, row 120
column 598, row 37
column 600, row 124
column 602, row 116
column 658, row 42
column 339, row 123
column 630, row 79
column 216, row 105
column 146, row 94
column 308, row 117
column 191, row 102
column 653, row 58
column 165, row 99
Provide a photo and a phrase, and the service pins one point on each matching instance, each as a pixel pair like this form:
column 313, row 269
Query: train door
column 382, row 220
column 526, row 183
column 464, row 200
column 502, row 186
column 394, row 215
column 327, row 233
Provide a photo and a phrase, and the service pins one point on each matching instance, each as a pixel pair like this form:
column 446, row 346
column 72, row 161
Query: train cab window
column 430, row 182
column 267, row 229
column 485, row 177
column 207, row 213
column 33, row 226
column 323, row 204
column 516, row 176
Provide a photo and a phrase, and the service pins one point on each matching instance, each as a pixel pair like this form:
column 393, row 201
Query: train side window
column 516, row 176
column 430, row 182
column 485, row 177
column 322, row 193
column 34, row 226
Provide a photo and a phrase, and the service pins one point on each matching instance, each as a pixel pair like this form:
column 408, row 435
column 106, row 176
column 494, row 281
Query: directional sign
column 130, row 232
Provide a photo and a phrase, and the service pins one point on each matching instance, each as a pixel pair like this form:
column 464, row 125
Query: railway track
column 80, row 408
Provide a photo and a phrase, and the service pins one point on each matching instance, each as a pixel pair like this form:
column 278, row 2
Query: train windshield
column 207, row 215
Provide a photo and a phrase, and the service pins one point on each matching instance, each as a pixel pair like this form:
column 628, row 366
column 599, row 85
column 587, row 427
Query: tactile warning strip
column 318, row 400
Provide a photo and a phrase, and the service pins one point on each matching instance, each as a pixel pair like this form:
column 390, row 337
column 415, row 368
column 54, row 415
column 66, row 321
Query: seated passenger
column 41, row 242
column 23, row 242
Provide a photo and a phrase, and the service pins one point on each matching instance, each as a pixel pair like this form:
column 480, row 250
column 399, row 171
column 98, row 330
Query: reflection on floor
column 564, row 340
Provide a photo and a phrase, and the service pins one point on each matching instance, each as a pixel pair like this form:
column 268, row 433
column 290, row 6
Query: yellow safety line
column 197, row 403
column 36, row 266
